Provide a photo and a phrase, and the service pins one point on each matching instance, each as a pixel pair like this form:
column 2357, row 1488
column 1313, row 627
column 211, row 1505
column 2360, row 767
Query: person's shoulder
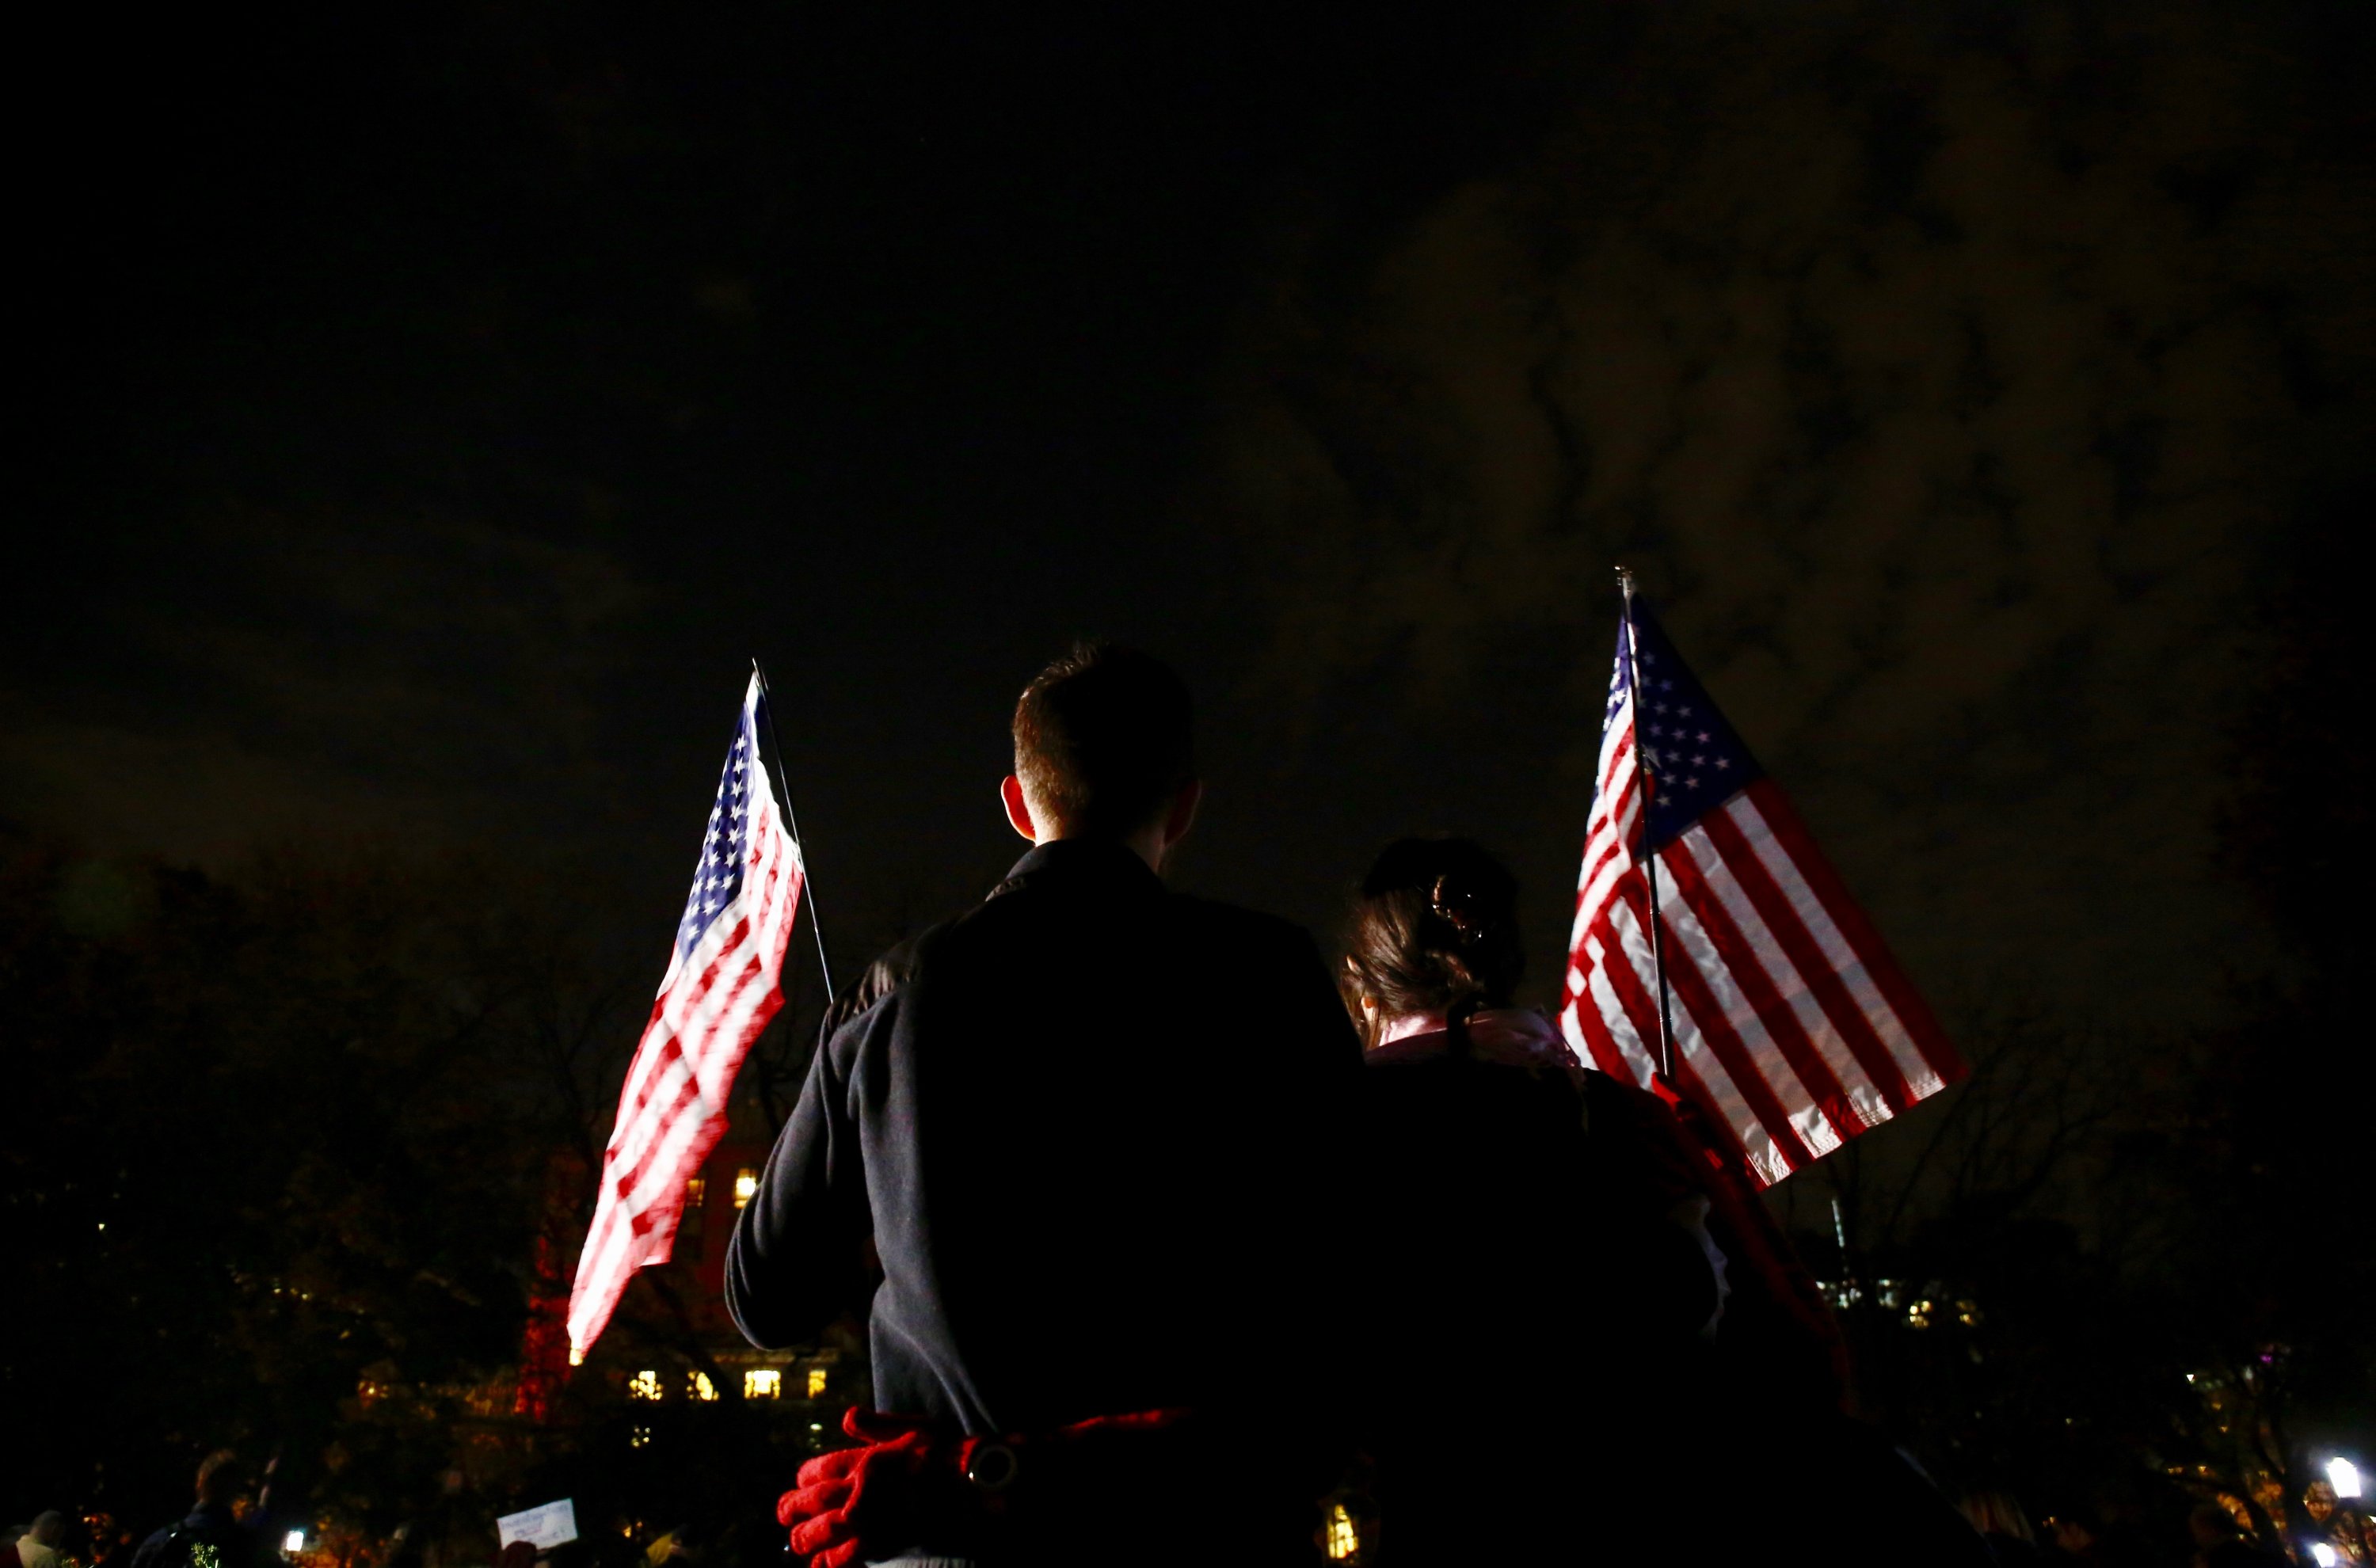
column 153, row 1547
column 881, row 981
column 889, row 971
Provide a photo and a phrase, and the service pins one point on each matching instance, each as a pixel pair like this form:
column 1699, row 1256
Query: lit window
column 699, row 1386
column 763, row 1382
column 816, row 1382
column 696, row 1189
column 644, row 1385
column 1344, row 1541
column 747, row 1183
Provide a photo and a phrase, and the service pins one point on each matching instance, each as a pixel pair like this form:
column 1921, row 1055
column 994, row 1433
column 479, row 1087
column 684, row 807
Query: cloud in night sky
column 1944, row 384
column 311, row 675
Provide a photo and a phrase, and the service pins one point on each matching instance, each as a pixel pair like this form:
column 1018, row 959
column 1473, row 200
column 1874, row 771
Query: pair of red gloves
column 907, row 1486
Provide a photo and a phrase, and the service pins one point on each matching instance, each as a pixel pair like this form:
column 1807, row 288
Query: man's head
column 219, row 1477
column 1103, row 750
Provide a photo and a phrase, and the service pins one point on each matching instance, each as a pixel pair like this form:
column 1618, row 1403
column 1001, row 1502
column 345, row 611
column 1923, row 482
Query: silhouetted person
column 1087, row 1127
column 214, row 1523
column 111, row 1544
column 38, row 1547
column 1648, row 1355
column 1533, row 1286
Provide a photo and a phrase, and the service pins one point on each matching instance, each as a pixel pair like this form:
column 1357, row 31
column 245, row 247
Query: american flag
column 720, row 991
column 1790, row 1019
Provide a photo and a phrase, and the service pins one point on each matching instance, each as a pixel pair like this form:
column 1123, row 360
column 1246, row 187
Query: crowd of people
column 227, row 1525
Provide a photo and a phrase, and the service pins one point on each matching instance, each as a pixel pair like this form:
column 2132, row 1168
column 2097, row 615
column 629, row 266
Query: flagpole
column 808, row 877
column 1642, row 781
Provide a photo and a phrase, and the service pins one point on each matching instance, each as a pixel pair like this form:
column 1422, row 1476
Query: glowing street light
column 2344, row 1476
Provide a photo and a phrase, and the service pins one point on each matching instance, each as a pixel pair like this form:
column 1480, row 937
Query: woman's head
column 1434, row 931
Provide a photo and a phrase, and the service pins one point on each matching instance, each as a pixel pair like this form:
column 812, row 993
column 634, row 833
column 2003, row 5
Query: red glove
column 907, row 1486
column 840, row 1494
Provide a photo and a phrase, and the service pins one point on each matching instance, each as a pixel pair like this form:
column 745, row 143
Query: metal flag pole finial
column 1643, row 781
column 808, row 876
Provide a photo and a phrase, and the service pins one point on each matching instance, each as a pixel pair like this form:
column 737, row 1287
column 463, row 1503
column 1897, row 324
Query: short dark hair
column 1104, row 738
column 220, row 1476
column 1435, row 930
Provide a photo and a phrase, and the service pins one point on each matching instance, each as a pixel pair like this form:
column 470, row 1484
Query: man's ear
column 1183, row 812
column 1018, row 810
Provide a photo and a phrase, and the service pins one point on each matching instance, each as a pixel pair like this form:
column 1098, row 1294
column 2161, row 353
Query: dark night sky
column 437, row 411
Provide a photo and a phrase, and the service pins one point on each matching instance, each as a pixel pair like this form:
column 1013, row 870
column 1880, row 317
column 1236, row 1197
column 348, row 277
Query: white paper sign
column 541, row 1527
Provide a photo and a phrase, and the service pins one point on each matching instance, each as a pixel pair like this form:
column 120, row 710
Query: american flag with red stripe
column 1791, row 1022
column 718, row 994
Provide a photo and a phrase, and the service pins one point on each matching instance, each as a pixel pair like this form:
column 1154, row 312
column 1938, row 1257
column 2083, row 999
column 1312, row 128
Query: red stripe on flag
column 1922, row 1027
column 1607, row 1055
column 1641, row 1007
column 1798, row 945
column 1724, row 1042
column 753, row 972
column 1776, row 1016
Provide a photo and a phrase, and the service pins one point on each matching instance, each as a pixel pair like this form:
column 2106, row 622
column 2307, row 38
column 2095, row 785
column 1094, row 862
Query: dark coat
column 1531, row 1311
column 1092, row 1129
column 235, row 1545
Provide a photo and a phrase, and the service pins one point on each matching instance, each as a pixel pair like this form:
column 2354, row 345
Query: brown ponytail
column 1435, row 930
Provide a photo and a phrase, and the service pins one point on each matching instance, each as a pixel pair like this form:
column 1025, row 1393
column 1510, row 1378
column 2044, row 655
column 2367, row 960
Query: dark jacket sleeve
column 797, row 1261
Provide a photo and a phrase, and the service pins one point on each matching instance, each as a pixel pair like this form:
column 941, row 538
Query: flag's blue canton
column 1696, row 761
column 726, row 844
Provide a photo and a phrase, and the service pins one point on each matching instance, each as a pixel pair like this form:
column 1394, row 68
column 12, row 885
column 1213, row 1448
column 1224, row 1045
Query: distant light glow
column 2343, row 1476
column 644, row 1385
column 293, row 1541
column 746, row 1185
column 700, row 1387
column 577, row 1355
column 817, row 1388
column 2323, row 1554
